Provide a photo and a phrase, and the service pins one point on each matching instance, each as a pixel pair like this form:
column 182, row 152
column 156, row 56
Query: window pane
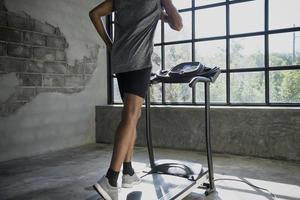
column 217, row 90
column 211, row 53
column 247, row 52
column 117, row 96
column 200, row 93
column 285, row 86
column 156, row 59
column 157, row 34
column 247, row 87
column 206, row 2
column 185, row 33
column 156, row 93
column 181, row 4
column 242, row 19
column 178, row 92
column 176, row 54
column 284, row 49
column 284, row 14
column 210, row 22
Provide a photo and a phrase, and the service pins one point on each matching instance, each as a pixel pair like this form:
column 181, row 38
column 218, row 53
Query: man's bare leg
column 126, row 129
column 129, row 154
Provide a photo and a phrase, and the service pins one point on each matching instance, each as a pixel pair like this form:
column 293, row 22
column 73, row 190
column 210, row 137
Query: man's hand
column 164, row 16
column 173, row 17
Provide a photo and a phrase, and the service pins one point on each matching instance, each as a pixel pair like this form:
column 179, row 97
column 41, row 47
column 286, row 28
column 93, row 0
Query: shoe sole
column 101, row 192
column 128, row 185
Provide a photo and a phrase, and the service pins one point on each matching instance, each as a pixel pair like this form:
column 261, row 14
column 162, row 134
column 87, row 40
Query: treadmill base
column 163, row 186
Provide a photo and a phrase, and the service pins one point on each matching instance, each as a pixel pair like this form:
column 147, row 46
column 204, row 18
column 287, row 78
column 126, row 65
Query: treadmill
column 168, row 179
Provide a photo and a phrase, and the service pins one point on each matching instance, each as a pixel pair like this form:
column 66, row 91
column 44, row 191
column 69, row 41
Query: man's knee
column 131, row 113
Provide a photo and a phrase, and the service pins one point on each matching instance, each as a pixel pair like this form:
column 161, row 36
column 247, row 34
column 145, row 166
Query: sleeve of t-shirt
column 161, row 5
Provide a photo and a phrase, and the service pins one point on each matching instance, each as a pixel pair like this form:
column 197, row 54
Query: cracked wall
column 52, row 74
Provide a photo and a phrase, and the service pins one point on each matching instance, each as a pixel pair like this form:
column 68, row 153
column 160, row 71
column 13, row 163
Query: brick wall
column 35, row 52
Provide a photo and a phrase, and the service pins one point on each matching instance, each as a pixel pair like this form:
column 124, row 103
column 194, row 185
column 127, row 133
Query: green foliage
column 291, row 85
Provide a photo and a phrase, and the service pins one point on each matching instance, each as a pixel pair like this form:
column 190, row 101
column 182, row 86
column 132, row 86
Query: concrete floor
column 70, row 173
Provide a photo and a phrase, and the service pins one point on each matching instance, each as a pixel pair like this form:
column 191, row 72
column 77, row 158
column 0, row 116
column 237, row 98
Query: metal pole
column 148, row 130
column 208, row 140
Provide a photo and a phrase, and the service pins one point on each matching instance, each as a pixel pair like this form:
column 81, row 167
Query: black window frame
column 266, row 69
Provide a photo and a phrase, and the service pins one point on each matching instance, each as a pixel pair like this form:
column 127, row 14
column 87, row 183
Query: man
column 135, row 24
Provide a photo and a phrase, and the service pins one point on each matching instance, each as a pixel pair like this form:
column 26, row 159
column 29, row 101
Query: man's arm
column 171, row 15
column 103, row 9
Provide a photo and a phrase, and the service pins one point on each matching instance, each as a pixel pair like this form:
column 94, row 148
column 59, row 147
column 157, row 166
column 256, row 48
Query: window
column 256, row 43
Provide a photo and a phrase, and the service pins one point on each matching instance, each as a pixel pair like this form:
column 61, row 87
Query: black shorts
column 134, row 82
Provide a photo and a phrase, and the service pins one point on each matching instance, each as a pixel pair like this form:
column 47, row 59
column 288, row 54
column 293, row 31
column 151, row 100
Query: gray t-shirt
column 135, row 24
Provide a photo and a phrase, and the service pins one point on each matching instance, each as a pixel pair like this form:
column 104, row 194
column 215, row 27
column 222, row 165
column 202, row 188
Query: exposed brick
column 19, row 21
column 2, row 110
column 87, row 78
column 2, row 67
column 57, row 42
column 18, row 50
column 10, row 35
column 34, row 38
column 43, row 27
column 2, row 5
column 59, row 89
column 78, row 68
column 89, row 68
column 61, row 55
column 53, row 81
column 44, row 53
column 42, row 90
column 73, row 80
column 2, row 73
column 87, row 59
column 3, row 18
column 55, row 67
column 12, row 107
column 70, row 90
column 3, row 49
column 13, row 65
column 30, row 79
column 35, row 66
column 25, row 94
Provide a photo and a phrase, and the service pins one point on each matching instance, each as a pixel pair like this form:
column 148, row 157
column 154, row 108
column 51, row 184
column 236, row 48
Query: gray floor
column 69, row 174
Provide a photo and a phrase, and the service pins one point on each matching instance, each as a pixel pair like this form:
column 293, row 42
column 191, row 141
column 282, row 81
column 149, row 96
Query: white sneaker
column 129, row 181
column 105, row 190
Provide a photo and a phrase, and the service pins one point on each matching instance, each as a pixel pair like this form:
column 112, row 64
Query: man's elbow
column 91, row 13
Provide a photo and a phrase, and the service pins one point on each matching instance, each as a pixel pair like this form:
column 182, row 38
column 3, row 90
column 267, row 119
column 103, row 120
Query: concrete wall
column 262, row 132
column 52, row 74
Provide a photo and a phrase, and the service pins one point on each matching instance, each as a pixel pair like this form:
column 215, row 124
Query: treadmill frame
column 210, row 187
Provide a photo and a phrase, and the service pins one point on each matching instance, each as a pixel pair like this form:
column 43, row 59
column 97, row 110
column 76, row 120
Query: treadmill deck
column 163, row 186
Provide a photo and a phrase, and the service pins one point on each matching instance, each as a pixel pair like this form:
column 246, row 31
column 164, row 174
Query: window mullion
column 163, row 95
column 227, row 53
column 267, row 85
column 193, row 48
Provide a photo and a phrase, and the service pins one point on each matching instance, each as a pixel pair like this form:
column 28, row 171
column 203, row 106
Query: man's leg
column 129, row 154
column 127, row 165
column 125, row 133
